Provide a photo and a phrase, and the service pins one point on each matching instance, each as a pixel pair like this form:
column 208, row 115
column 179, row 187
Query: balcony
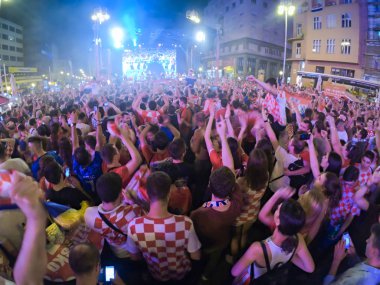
column 296, row 38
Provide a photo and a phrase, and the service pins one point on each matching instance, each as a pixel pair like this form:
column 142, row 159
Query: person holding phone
column 366, row 272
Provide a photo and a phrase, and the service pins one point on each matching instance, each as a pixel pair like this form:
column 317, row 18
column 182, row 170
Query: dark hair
column 363, row 133
column 256, row 174
column 2, row 151
column 91, row 141
column 369, row 154
column 375, row 230
column 222, row 182
column 35, row 140
column 298, row 145
column 82, row 156
column 335, row 163
column 266, row 146
column 43, row 163
column 351, row 174
column 83, row 258
column 81, row 116
column 224, row 102
column 234, row 147
column 292, row 219
column 32, row 122
column 107, row 153
column 43, row 131
column 271, row 81
column 308, row 112
column 160, row 140
column 183, row 99
column 332, row 189
column 65, row 151
column 158, row 186
column 52, row 172
column 177, row 148
column 109, row 186
column 152, row 105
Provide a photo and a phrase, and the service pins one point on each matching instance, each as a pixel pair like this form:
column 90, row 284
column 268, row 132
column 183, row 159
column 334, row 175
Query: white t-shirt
column 85, row 129
column 283, row 160
column 343, row 135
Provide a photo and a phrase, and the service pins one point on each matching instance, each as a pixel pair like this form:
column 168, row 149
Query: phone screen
column 67, row 172
column 95, row 108
column 110, row 273
column 347, row 240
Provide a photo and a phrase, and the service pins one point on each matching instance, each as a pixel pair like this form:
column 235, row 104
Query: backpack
column 297, row 181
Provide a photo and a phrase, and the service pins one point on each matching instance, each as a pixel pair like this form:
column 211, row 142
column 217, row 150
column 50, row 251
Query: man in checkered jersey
column 111, row 219
column 165, row 240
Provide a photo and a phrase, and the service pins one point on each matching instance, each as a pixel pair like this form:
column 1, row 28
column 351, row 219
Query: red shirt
column 151, row 156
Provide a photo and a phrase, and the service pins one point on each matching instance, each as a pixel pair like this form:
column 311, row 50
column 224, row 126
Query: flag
column 13, row 84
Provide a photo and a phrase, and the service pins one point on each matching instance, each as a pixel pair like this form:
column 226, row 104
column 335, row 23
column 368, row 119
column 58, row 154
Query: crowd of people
column 190, row 182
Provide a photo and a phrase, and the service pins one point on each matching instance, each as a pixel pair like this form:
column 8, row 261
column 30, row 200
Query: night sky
column 67, row 23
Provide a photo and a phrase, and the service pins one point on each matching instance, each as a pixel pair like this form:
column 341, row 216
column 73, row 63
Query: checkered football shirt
column 164, row 244
column 251, row 207
column 364, row 176
column 346, row 205
column 120, row 217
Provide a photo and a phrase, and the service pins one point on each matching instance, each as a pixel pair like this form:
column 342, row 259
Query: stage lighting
column 200, row 36
column 117, row 35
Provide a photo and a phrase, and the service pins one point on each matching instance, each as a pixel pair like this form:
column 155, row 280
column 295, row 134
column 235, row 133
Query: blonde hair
column 312, row 204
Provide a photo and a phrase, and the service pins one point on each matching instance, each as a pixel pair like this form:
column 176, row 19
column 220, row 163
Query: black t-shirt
column 68, row 196
column 186, row 172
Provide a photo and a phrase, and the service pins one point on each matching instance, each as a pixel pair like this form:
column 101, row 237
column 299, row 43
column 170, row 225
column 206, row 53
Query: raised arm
column 31, row 262
column 208, row 132
column 136, row 159
column 227, row 159
column 100, row 139
column 302, row 257
column 313, row 158
column 266, row 215
column 335, row 141
column 74, row 135
column 270, row 133
column 249, row 257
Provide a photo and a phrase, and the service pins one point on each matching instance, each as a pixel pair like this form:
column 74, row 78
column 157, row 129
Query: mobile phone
column 304, row 137
column 67, row 172
column 347, row 240
column 95, row 108
column 105, row 104
column 109, row 273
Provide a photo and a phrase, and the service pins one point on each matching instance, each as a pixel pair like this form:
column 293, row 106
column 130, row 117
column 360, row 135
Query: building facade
column 249, row 37
column 372, row 54
column 329, row 37
column 11, row 43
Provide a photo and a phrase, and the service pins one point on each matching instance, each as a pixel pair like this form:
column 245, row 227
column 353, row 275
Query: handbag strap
column 111, row 225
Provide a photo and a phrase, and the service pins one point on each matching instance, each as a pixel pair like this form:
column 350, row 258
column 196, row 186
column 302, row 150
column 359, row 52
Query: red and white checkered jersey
column 364, row 176
column 150, row 116
column 164, row 244
column 251, row 206
column 120, row 217
column 346, row 205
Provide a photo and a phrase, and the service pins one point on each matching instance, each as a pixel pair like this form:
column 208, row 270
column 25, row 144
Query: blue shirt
column 88, row 175
column 360, row 274
column 36, row 164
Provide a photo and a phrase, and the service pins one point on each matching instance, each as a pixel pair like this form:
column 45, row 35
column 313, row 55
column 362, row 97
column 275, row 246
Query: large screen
column 143, row 63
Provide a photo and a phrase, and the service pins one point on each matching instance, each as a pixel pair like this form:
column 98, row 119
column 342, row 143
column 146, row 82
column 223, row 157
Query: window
column 12, row 29
column 20, row 59
column 298, row 49
column 4, row 26
column 253, row 1
column 330, row 3
column 241, row 1
column 345, row 1
column 233, row 5
column 320, row 69
column 18, row 31
column 316, row 46
column 240, row 62
column 317, row 23
column 330, row 46
column 331, row 21
column 4, row 36
column 11, row 38
column 343, row 72
column 227, row 9
column 346, row 46
column 299, row 29
column 335, row 71
column 12, row 58
column 6, row 57
column 346, row 20
column 265, row 4
column 19, row 49
column 18, row 40
column 5, row 47
column 12, row 48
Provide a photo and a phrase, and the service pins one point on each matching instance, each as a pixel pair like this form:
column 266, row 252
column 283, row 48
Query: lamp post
column 286, row 9
column 98, row 17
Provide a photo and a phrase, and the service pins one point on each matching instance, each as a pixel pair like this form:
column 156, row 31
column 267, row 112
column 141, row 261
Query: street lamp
column 193, row 16
column 200, row 36
column 98, row 17
column 117, row 35
column 286, row 9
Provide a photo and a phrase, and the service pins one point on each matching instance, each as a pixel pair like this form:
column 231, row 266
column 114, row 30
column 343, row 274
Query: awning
column 3, row 100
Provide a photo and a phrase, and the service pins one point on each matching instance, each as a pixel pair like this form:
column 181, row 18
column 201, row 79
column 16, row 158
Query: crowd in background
column 190, row 182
